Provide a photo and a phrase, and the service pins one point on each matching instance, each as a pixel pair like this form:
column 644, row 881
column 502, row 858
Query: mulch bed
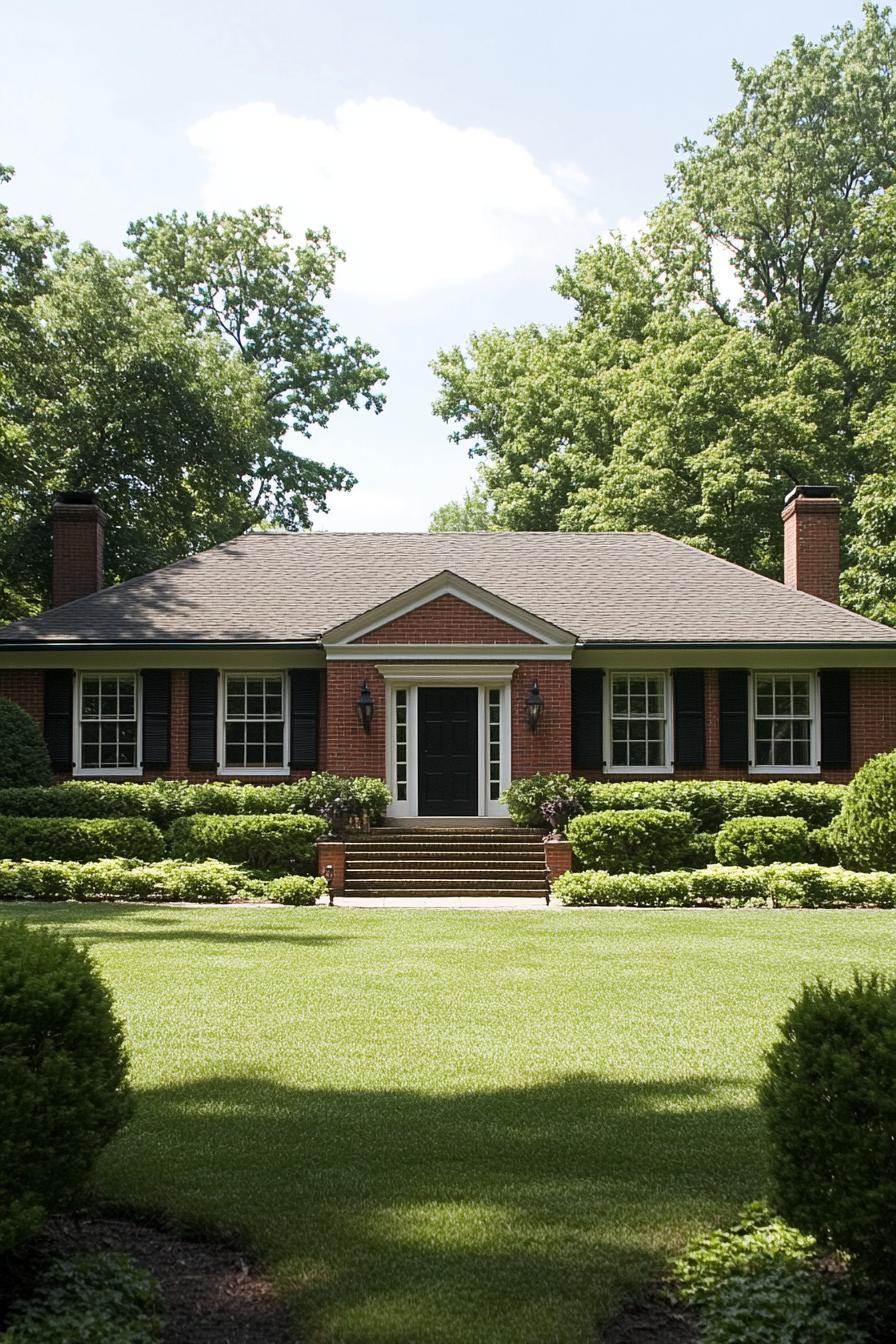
column 652, row 1321
column 212, row 1296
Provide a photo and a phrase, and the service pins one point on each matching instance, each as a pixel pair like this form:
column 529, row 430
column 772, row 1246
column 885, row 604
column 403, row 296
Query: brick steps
column 442, row 861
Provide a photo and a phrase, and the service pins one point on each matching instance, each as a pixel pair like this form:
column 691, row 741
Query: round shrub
column 751, row 841
column 525, row 798
column 295, row 890
column 646, row 840
column 23, row 751
column 865, row 832
column 80, row 838
column 284, row 843
column 62, row 1076
column 829, row 1099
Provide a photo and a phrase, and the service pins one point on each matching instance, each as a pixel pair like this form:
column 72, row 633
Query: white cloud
column 627, row 228
column 415, row 202
column 571, row 174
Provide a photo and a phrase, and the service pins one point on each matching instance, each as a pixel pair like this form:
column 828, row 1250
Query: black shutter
column 587, row 718
column 690, row 723
column 156, row 719
column 304, row 699
column 835, row 722
column 58, row 717
column 734, row 740
column 202, row 751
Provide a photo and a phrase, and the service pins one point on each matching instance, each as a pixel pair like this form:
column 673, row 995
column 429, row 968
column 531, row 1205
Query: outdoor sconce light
column 364, row 707
column 328, row 877
column 534, row 706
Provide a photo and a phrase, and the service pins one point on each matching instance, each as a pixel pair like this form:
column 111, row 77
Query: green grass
column 446, row 1126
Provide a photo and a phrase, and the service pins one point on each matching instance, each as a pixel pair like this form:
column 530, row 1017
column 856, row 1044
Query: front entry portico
column 448, row 745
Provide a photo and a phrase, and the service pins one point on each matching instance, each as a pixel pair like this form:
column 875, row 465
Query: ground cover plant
column 447, row 1126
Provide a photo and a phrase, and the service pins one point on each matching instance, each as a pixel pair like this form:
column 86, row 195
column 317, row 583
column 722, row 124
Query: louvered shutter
column 734, row 737
column 304, row 701
column 202, row 748
column 59, row 717
column 156, row 719
column 689, row 717
column 836, row 734
column 587, row 718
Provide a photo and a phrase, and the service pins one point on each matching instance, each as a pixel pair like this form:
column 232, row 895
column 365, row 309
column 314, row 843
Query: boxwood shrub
column 829, row 1099
column 63, row 1076
column 279, row 843
column 782, row 884
column 80, row 838
column 645, row 840
column 89, row 1299
column 23, row 753
column 525, row 798
column 171, row 880
column 749, row 841
column 865, row 833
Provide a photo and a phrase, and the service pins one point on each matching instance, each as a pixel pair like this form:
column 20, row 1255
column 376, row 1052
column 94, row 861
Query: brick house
column 449, row 664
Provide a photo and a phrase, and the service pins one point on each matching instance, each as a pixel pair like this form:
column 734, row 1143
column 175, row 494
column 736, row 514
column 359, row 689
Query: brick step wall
column 391, row 861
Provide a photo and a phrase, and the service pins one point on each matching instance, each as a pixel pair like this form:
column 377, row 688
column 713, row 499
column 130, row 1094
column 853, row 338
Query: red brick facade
column 78, row 538
column 447, row 620
column 812, row 546
column 549, row 747
column 25, row 689
column 349, row 750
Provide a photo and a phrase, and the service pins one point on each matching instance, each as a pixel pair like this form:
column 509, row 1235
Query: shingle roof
column 605, row 587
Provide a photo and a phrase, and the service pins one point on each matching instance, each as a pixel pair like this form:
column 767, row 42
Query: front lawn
column 453, row 1127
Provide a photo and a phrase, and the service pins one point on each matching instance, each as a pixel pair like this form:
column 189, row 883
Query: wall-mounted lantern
column 364, row 707
column 534, row 706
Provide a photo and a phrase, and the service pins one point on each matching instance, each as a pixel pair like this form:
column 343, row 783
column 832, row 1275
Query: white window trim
column 111, row 772
column 815, row 706
column 609, row 767
column 256, row 771
column 409, row 807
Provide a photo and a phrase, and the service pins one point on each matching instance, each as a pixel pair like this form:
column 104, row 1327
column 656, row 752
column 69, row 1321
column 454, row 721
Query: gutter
column 123, row 646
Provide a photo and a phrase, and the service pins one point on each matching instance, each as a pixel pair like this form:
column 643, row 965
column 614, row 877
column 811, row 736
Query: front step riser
column 492, row 863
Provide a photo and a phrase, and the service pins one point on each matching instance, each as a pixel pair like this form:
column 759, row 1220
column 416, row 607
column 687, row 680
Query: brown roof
column 605, row 587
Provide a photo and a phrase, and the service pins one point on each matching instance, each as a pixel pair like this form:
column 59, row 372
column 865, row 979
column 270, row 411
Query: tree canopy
column 742, row 343
column 167, row 381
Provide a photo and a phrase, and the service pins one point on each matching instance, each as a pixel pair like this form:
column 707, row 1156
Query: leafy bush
column 783, row 1306
column 783, row 884
column 865, row 833
column 285, row 843
column 751, row 841
column 701, row 850
column 525, row 798
column 822, row 846
column 710, row 802
column 79, row 798
column 79, row 838
column 90, row 1299
column 126, row 880
column 758, row 1241
column 829, row 1099
column 62, row 1076
column 642, row 841
column 296, row 890
column 23, row 753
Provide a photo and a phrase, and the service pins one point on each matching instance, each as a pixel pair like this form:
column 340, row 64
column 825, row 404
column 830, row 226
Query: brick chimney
column 812, row 541
column 79, row 530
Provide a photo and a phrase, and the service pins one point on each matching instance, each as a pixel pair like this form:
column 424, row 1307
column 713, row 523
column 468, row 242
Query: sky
column 459, row 153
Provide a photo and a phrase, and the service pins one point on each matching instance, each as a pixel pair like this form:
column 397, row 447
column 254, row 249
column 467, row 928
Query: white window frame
column 609, row 767
column 264, row 771
column 814, row 766
column 122, row 772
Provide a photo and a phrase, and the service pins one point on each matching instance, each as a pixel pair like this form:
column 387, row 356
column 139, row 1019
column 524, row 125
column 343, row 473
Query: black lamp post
column 534, row 706
column 364, row 707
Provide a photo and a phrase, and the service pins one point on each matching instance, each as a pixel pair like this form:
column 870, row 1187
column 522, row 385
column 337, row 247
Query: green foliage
column 23, row 753
column 62, row 1077
column 701, row 850
column 164, row 800
column 783, row 1305
column 130, row 880
column 822, row 846
column 89, row 1299
column 295, row 890
column 711, row 803
column 742, row 342
column 829, row 1100
column 865, row 834
column 758, row 1241
column 779, row 884
column 646, row 840
column 525, row 798
column 167, row 382
column 285, row 843
column 77, row 838
column 751, row 841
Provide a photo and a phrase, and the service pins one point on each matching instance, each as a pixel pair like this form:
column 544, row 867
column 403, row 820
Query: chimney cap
column 75, row 497
column 811, row 492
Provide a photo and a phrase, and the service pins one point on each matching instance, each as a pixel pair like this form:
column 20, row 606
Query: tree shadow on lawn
column 148, row 923
column 522, row 1215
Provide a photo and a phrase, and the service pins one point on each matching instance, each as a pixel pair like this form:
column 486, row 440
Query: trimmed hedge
column 270, row 842
column 749, row 842
column 90, row 1299
column 63, row 1076
column 830, row 1107
column 779, row 884
column 164, row 800
column 644, row 841
column 710, row 803
column 170, row 880
column 24, row 758
column 80, row 838
column 865, row 833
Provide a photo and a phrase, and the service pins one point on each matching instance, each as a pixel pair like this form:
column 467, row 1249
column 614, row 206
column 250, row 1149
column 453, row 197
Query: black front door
column 448, row 736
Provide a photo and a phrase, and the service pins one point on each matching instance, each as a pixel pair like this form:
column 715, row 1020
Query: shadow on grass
column 514, row 1216
column 147, row 923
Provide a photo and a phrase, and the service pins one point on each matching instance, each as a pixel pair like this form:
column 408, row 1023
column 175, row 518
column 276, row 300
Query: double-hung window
column 254, row 721
column 639, row 737
column 108, row 737
column 783, row 720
